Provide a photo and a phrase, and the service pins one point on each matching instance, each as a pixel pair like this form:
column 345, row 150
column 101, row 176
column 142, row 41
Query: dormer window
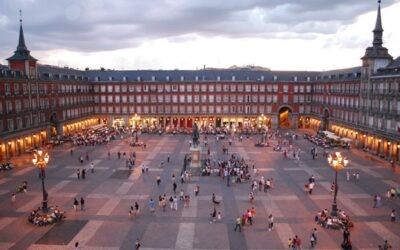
column 308, row 79
column 139, row 79
column 262, row 78
column 295, row 78
column 197, row 78
column 110, row 78
column 182, row 78
column 275, row 78
column 124, row 78
column 96, row 78
column 167, row 78
column 233, row 78
column 153, row 78
column 218, row 78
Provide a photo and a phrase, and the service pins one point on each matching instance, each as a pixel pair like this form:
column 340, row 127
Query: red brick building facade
column 38, row 102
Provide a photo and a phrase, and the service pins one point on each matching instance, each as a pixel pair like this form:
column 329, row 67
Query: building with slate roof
column 40, row 102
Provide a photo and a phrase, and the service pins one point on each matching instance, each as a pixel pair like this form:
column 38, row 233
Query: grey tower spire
column 22, row 52
column 378, row 31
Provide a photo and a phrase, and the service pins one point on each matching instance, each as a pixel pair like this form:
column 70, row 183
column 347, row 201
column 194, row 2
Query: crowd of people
column 42, row 219
column 341, row 221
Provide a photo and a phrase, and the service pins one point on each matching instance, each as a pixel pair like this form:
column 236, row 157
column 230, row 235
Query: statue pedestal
column 195, row 153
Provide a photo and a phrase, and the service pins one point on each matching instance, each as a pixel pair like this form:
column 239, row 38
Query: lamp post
column 337, row 162
column 40, row 160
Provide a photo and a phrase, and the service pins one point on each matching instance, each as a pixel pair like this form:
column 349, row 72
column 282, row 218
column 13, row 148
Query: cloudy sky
column 187, row 34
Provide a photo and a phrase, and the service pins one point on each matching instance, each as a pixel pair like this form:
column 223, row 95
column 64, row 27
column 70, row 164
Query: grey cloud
column 94, row 25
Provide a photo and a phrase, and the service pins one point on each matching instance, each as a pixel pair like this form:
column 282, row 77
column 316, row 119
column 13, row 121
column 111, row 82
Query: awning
column 347, row 140
column 333, row 137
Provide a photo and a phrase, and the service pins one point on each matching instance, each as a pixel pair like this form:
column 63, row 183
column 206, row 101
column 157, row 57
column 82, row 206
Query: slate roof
column 22, row 52
column 198, row 75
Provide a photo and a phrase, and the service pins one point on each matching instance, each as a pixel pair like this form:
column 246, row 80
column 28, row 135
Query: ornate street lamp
column 40, row 160
column 337, row 162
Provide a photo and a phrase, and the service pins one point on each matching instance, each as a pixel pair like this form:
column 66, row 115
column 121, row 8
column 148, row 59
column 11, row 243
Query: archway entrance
column 285, row 117
column 325, row 120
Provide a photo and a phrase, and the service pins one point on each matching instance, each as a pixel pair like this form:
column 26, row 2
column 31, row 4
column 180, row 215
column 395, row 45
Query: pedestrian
column 297, row 242
column 290, row 243
column 136, row 208
column 71, row 152
column 168, row 159
column 158, row 180
column 219, row 216
column 83, row 174
column 312, row 240
column 251, row 197
column 171, row 202
column 137, row 244
column 175, row 203
column 196, row 190
column 315, row 231
column 109, row 155
column 270, row 222
column 213, row 215
column 87, row 156
column 238, row 224
column 347, row 175
column 311, row 187
column 77, row 246
column 13, row 198
column 81, row 159
column 76, row 203
column 393, row 215
column 357, row 176
column 174, row 186
column 130, row 214
column 92, row 167
column 78, row 173
column 152, row 205
column 119, row 155
column 181, row 195
column 82, row 203
column 346, row 236
column 162, row 164
column 249, row 217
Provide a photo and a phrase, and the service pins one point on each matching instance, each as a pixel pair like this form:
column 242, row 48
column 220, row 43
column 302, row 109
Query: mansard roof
column 200, row 75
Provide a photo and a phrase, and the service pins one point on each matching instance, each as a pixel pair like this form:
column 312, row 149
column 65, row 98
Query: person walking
column 168, row 159
column 196, row 190
column 158, row 180
column 270, row 222
column 78, row 173
column 174, row 186
column 152, row 205
column 130, row 214
column 393, row 215
column 83, row 174
column 13, row 198
column 311, row 187
column 175, row 203
column 238, row 224
column 92, row 167
column 171, row 202
column 82, row 204
column 76, row 203
column 136, row 208
column 137, row 244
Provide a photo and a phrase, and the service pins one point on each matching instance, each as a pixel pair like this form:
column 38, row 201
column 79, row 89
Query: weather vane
column 20, row 15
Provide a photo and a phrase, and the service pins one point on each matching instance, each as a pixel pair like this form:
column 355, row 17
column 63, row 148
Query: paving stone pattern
column 112, row 189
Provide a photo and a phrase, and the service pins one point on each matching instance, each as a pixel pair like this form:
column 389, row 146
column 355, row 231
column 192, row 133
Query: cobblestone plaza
column 111, row 190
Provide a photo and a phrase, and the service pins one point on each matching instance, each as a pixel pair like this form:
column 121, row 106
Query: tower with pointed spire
column 376, row 56
column 22, row 59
